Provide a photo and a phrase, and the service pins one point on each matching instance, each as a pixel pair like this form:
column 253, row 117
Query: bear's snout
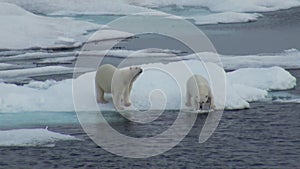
column 141, row 70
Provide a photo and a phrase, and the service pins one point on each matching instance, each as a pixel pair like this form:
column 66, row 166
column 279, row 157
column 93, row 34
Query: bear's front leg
column 127, row 102
column 196, row 104
column 211, row 103
column 188, row 100
column 117, row 98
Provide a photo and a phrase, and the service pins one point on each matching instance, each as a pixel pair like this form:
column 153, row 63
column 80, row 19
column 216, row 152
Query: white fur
column 198, row 93
column 119, row 82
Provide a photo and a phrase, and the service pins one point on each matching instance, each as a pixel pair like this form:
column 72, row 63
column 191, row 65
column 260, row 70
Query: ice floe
column 32, row 137
column 243, row 86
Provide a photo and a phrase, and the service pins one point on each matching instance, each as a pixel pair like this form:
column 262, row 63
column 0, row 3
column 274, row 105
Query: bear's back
column 104, row 76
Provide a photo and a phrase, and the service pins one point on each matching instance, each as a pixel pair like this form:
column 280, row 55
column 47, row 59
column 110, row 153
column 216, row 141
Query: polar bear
column 110, row 79
column 198, row 93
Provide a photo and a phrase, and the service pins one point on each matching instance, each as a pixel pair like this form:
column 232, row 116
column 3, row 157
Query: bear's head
column 202, row 97
column 135, row 72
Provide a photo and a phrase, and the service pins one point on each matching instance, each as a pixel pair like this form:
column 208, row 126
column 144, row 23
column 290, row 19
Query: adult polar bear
column 198, row 93
column 119, row 82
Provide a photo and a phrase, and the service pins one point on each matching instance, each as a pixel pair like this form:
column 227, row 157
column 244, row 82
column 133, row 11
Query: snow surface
column 243, row 86
column 31, row 137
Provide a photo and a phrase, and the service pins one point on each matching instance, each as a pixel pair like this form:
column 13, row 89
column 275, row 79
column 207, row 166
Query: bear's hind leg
column 100, row 95
column 188, row 100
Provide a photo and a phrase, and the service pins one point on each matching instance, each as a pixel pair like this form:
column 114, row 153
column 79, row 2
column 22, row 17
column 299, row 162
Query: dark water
column 266, row 136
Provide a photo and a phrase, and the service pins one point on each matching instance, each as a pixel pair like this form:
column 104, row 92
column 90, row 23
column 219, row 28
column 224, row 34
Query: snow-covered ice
column 32, row 137
column 243, row 86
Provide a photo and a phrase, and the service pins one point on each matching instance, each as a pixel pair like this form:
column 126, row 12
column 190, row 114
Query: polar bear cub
column 110, row 79
column 198, row 93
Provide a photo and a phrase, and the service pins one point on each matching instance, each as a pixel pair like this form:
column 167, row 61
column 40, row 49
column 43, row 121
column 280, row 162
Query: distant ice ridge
column 222, row 5
column 57, row 96
column 32, row 137
column 288, row 59
column 45, row 32
column 226, row 11
column 79, row 7
column 121, row 7
column 21, row 29
column 38, row 71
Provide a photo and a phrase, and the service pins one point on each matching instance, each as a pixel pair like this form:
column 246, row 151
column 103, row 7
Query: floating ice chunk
column 287, row 100
column 274, row 78
column 225, row 17
column 32, row 137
